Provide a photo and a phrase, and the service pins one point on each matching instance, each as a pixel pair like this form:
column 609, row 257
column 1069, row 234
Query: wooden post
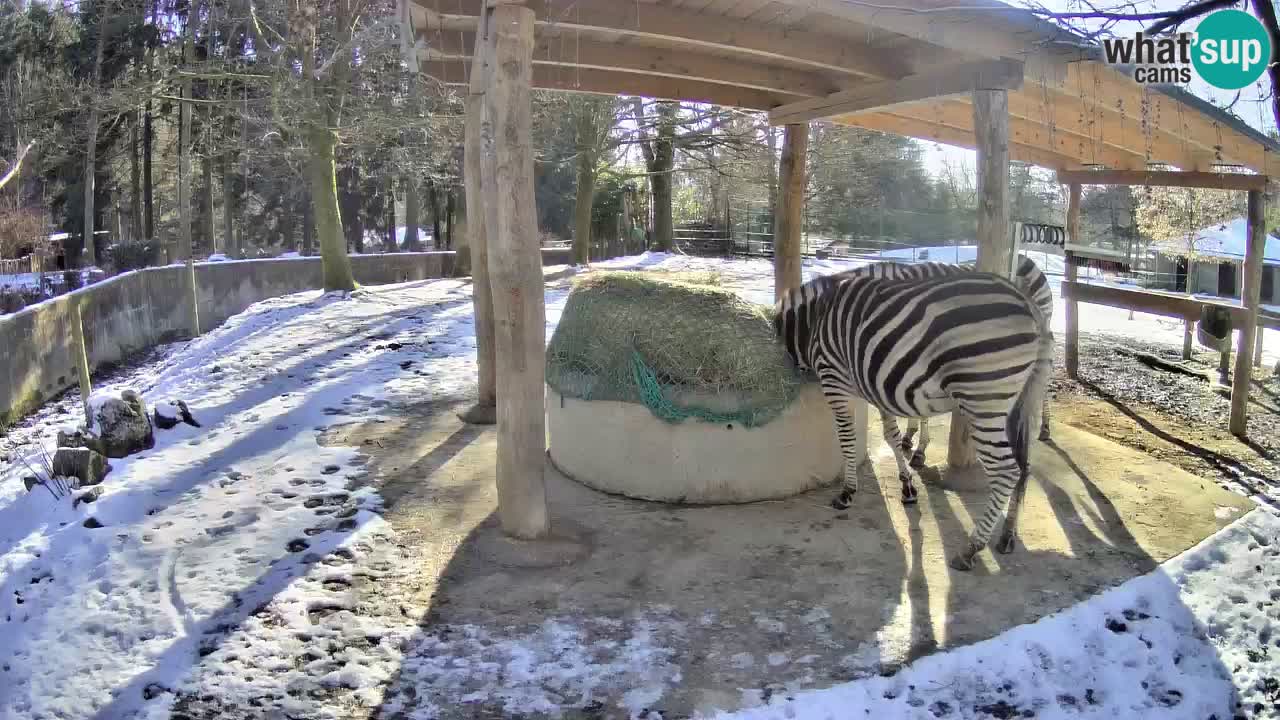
column 515, row 271
column 1250, row 295
column 1186, row 339
column 1257, row 346
column 195, row 297
column 484, row 412
column 788, row 213
column 81, row 357
column 1224, row 364
column 995, row 242
column 1069, row 280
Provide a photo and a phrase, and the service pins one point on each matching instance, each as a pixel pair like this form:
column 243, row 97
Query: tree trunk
column 582, row 208
column 228, row 203
column 390, row 238
column 206, row 195
column 308, row 225
column 437, row 227
column 772, row 151
column 451, row 216
column 184, row 174
column 135, row 180
column 89, row 253
column 148, row 187
column 412, row 205
column 324, row 191
column 663, row 230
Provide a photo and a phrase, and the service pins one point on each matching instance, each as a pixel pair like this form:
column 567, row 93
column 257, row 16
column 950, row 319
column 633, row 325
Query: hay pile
column 683, row 349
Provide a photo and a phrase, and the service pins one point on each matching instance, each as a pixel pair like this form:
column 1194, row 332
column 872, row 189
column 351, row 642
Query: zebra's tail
column 1024, row 423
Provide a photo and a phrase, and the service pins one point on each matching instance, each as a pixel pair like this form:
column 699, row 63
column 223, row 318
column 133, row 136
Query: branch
column 1186, row 13
column 1267, row 13
column 17, row 164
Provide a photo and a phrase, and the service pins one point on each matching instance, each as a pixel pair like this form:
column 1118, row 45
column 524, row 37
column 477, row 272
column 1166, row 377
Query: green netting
column 675, row 343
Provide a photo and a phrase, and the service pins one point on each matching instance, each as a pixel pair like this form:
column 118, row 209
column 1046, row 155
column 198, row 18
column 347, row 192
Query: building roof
column 1229, row 240
column 900, row 66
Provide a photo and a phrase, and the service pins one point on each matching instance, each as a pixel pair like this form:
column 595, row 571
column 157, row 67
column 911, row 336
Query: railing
column 22, row 265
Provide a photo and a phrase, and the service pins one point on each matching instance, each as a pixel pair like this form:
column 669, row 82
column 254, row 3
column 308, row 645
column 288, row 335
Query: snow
column 1229, row 240
column 232, row 544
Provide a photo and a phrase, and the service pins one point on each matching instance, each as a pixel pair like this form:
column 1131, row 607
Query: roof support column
column 995, row 242
column 1249, row 296
column 789, row 212
column 475, row 256
column 515, row 271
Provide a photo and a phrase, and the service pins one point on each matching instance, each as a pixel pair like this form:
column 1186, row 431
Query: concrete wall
column 139, row 310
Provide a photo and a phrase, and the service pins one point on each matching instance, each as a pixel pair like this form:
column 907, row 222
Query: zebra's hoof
column 1044, row 434
column 1008, row 541
column 842, row 501
column 963, row 562
column 909, row 493
column 917, row 459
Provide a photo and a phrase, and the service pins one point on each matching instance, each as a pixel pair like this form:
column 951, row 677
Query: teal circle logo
column 1232, row 49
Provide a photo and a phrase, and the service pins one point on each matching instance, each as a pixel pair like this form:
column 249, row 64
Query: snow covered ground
column 233, row 545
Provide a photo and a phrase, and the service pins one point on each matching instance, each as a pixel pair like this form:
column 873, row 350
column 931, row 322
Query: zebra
column 971, row 343
column 1033, row 284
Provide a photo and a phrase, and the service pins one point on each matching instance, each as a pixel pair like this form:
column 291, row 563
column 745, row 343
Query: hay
column 683, row 349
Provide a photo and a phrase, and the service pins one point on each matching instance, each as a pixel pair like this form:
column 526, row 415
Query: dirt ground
column 1175, row 418
column 776, row 596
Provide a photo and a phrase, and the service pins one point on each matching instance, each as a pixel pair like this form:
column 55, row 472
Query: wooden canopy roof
column 899, row 66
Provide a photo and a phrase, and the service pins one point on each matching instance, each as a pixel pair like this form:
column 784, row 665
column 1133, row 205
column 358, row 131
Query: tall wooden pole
column 1250, row 294
column 82, row 358
column 484, row 412
column 995, row 242
column 515, row 270
column 1072, row 308
column 788, row 214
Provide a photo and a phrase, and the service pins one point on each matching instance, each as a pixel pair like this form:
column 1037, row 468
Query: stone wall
column 139, row 310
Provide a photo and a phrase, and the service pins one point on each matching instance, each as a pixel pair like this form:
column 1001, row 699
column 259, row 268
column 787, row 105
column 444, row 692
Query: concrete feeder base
column 623, row 448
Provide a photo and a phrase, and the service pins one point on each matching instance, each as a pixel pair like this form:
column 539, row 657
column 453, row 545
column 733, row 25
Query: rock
column 92, row 523
column 86, row 496
column 87, row 465
column 175, row 412
column 30, row 482
column 124, row 426
column 79, row 438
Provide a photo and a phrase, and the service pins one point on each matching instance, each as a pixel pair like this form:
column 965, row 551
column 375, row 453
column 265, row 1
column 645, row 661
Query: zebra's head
column 795, row 318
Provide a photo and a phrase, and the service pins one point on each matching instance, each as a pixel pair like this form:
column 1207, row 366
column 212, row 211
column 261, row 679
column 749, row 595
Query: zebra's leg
column 995, row 451
column 894, row 438
column 1009, row 537
column 852, row 446
column 908, row 438
column 1044, row 418
column 918, row 457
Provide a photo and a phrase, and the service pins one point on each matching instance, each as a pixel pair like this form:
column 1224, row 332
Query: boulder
column 89, row 466
column 79, row 438
column 167, row 415
column 123, row 425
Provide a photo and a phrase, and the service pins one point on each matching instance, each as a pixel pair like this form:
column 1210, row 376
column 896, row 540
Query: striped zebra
column 971, row 343
column 1033, row 284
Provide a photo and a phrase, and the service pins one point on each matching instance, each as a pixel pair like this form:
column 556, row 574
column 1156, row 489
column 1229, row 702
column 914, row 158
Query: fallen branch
column 17, row 164
column 1159, row 363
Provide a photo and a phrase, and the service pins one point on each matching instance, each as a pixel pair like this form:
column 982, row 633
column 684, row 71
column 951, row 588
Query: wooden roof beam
column 566, row 51
column 603, row 82
column 925, row 85
column 923, row 130
column 641, row 20
column 1217, row 181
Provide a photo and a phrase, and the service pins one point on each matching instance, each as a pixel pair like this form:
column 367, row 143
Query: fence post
column 195, row 297
column 81, row 358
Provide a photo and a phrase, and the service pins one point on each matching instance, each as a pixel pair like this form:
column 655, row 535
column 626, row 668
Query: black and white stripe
column 970, row 342
column 1033, row 284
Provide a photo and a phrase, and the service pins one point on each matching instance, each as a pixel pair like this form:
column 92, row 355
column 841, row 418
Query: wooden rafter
column 924, row 130
column 690, row 28
column 567, row 51
column 924, row 85
column 604, row 82
column 1217, row 181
